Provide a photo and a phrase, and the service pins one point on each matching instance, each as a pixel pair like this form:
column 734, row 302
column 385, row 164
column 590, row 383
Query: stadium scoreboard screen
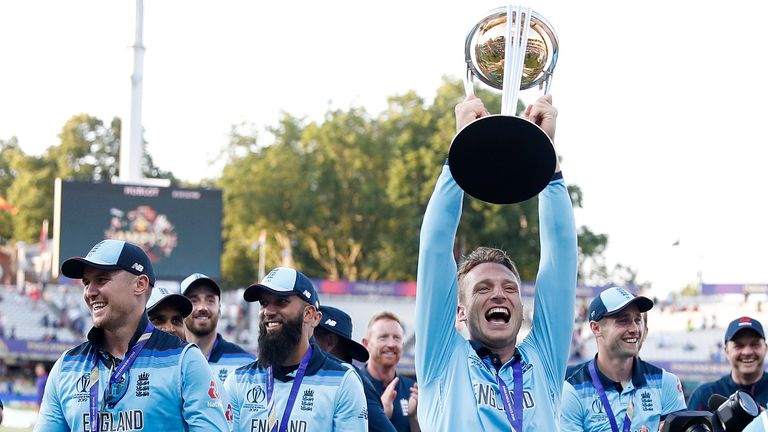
column 180, row 229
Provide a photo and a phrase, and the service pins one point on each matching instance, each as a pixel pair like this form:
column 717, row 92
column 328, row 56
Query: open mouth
column 202, row 319
column 498, row 315
column 273, row 326
column 97, row 306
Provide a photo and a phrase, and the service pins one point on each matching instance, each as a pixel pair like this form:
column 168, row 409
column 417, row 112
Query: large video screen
column 180, row 229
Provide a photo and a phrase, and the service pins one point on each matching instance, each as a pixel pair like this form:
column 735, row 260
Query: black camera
column 731, row 414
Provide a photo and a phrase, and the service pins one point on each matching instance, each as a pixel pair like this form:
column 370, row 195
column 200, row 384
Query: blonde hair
column 384, row 315
column 483, row 255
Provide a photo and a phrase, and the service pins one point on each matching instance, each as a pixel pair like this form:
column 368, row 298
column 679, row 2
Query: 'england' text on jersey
column 260, row 425
column 122, row 421
column 486, row 395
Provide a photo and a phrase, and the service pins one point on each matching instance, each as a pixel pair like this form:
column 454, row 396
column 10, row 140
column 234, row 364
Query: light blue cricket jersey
column 457, row 392
column 653, row 391
column 170, row 387
column 759, row 424
column 226, row 356
column 330, row 398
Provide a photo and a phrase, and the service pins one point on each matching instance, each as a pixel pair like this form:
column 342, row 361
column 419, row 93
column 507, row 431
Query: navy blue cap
column 196, row 279
column 163, row 295
column 743, row 323
column 111, row 255
column 614, row 300
column 284, row 281
column 339, row 323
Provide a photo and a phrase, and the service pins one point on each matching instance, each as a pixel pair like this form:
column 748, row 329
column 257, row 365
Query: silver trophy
column 501, row 158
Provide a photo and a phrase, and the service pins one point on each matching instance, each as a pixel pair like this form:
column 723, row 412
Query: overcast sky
column 661, row 103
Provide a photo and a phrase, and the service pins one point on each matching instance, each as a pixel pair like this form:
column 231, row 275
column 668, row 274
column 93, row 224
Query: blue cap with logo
column 614, row 300
column 743, row 323
column 284, row 281
column 197, row 279
column 164, row 295
column 339, row 323
column 111, row 255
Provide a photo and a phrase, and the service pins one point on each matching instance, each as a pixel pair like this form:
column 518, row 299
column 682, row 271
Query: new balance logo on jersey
column 142, row 385
column 308, row 400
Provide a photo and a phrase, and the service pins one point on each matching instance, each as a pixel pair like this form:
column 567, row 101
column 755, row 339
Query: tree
column 10, row 153
column 347, row 195
column 88, row 151
column 32, row 194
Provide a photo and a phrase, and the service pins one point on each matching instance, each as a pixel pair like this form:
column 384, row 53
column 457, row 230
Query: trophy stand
column 504, row 159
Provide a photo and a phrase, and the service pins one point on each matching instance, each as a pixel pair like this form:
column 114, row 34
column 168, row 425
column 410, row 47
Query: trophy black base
column 502, row 159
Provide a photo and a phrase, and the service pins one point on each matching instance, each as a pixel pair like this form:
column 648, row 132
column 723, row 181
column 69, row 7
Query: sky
column 661, row 103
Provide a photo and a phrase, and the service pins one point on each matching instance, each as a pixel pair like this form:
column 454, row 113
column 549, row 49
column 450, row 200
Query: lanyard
column 115, row 377
column 604, row 399
column 272, row 416
column 513, row 408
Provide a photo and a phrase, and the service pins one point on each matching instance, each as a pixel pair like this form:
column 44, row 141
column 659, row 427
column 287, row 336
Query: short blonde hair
column 483, row 255
column 384, row 315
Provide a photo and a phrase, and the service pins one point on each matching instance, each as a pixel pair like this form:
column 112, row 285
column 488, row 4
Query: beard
column 274, row 349
column 205, row 329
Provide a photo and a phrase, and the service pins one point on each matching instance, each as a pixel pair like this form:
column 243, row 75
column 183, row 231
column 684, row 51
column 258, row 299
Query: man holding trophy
column 491, row 382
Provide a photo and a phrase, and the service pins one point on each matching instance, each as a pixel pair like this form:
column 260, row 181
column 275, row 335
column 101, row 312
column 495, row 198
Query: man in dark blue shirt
column 334, row 336
column 399, row 394
column 745, row 349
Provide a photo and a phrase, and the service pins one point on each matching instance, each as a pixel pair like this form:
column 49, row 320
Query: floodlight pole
column 131, row 141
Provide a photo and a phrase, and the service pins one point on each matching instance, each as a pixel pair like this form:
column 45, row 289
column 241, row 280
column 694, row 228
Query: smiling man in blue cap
column 293, row 385
column 745, row 349
column 128, row 375
column 201, row 326
column 167, row 309
column 616, row 390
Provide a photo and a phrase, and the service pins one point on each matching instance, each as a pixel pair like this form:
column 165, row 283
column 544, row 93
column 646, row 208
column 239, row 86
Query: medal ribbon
column 604, row 399
column 272, row 416
column 115, row 376
column 512, row 407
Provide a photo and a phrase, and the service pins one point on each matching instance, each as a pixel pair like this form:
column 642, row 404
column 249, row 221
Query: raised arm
column 436, row 283
column 558, row 266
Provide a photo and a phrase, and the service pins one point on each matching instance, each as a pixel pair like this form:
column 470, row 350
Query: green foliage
column 88, row 151
column 343, row 197
column 346, row 196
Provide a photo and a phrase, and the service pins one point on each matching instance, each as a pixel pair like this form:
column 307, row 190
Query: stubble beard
column 200, row 332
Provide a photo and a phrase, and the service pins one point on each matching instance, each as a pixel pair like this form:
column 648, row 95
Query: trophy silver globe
column 502, row 158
